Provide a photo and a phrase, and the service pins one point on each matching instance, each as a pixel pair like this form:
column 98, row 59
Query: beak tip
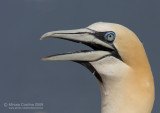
column 42, row 37
column 46, row 35
column 43, row 59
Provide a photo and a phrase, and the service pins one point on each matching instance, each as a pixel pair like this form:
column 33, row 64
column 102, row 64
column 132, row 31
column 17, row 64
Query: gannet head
column 119, row 62
column 105, row 38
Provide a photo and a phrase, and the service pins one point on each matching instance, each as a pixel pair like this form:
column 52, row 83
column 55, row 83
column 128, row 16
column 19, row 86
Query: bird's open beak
column 85, row 36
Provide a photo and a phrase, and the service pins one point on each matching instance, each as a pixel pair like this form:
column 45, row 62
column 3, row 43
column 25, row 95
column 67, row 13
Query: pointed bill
column 66, row 34
column 85, row 36
column 78, row 56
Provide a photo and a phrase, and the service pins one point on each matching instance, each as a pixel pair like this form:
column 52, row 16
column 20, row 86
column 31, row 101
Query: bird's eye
column 110, row 36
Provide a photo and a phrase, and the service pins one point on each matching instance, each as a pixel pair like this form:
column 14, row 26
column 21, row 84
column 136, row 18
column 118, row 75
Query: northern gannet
column 118, row 61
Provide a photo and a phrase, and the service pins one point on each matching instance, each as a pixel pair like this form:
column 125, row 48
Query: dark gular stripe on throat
column 92, row 69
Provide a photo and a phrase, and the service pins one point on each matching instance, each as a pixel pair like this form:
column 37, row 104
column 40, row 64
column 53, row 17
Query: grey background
column 64, row 87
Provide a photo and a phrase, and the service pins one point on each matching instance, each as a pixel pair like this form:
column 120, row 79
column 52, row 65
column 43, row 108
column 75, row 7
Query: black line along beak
column 85, row 36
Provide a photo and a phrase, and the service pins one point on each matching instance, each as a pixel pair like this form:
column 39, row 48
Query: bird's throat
column 124, row 90
column 111, row 98
column 116, row 99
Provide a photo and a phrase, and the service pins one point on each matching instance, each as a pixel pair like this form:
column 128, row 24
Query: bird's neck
column 112, row 101
column 124, row 89
column 117, row 98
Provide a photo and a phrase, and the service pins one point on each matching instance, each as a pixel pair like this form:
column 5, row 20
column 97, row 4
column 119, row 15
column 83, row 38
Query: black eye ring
column 110, row 36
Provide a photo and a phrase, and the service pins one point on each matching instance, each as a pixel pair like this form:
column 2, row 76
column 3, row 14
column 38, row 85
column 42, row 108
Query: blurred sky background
column 64, row 87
